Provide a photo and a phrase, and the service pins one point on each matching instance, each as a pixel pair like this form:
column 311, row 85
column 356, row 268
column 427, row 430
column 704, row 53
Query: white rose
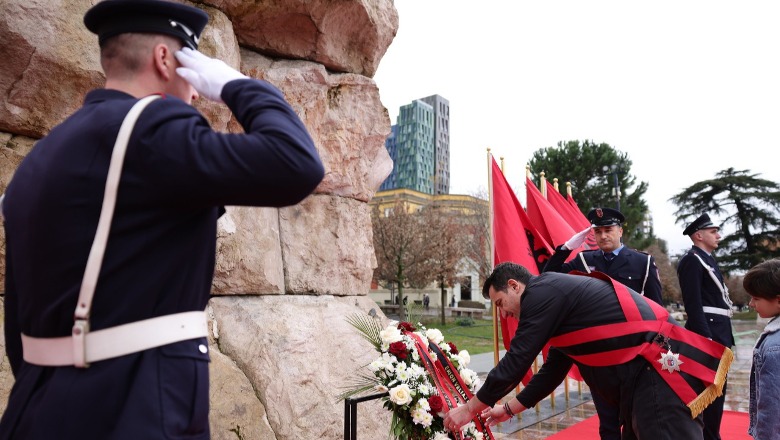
column 434, row 335
column 401, row 395
column 441, row 436
column 390, row 335
column 479, row 436
column 465, row 358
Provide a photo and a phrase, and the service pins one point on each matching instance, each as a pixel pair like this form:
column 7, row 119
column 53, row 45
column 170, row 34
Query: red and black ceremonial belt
column 693, row 366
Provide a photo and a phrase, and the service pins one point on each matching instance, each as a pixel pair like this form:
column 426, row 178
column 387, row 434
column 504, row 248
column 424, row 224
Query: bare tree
column 445, row 236
column 476, row 230
column 737, row 292
column 667, row 272
column 402, row 249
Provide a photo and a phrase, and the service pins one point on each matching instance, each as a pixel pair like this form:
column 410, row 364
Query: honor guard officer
column 706, row 300
column 133, row 239
column 634, row 269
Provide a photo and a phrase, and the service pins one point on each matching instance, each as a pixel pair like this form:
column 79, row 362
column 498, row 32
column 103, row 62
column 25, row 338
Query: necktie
column 609, row 256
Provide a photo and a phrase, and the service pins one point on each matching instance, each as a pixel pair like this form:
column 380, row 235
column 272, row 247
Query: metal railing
column 350, row 414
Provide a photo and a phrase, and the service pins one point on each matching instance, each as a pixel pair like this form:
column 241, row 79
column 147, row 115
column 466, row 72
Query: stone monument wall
column 285, row 279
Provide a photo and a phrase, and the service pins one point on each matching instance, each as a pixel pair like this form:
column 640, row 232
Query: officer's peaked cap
column 605, row 217
column 113, row 17
column 701, row 222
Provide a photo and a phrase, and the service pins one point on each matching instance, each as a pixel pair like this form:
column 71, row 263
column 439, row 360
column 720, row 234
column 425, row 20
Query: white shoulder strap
column 721, row 286
column 647, row 272
column 95, row 259
column 584, row 263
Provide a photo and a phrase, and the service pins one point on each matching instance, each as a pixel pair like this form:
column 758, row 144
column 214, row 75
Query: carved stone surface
column 50, row 62
column 55, row 61
column 327, row 246
column 249, row 254
column 345, row 36
column 299, row 352
column 344, row 115
column 235, row 412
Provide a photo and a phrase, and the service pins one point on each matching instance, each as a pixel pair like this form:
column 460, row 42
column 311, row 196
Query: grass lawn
column 747, row 315
column 476, row 338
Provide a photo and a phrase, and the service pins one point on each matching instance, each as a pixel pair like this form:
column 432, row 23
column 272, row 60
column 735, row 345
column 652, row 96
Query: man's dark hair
column 501, row 275
column 763, row 280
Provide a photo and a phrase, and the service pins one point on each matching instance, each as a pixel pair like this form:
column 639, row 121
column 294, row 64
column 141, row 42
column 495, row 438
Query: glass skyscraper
column 419, row 145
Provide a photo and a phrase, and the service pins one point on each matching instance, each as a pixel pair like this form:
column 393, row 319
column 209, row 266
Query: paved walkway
column 558, row 413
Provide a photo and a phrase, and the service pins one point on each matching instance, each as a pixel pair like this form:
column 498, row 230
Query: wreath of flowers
column 417, row 408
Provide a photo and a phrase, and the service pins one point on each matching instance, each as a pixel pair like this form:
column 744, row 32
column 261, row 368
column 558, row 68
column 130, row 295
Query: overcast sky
column 687, row 88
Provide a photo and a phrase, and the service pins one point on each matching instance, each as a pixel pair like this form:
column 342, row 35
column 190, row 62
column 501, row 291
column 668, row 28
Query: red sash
column 448, row 382
column 653, row 339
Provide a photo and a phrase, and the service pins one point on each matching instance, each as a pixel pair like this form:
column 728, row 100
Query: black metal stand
column 350, row 414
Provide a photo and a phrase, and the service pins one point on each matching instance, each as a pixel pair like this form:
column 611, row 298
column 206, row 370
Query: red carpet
column 733, row 427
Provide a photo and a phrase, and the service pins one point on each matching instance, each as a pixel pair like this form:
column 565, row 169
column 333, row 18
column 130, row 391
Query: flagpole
column 568, row 189
column 535, row 366
column 494, row 311
column 543, row 184
column 555, row 184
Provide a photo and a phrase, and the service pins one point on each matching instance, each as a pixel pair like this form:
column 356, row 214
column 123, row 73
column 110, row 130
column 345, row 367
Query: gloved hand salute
column 207, row 75
column 574, row 242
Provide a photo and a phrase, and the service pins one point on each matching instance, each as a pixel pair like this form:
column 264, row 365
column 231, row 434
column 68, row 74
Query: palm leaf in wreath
column 360, row 383
column 369, row 328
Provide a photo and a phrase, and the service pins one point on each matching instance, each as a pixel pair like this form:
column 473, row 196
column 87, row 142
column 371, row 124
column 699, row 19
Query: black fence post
column 350, row 414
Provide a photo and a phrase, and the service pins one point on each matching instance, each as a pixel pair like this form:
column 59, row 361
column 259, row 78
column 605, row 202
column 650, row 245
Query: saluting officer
column 133, row 364
column 636, row 270
column 706, row 300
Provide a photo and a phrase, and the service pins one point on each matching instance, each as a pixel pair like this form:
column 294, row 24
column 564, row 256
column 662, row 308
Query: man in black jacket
column 706, row 300
column 149, row 382
column 627, row 348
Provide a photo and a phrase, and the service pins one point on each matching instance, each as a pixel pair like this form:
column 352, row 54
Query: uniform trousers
column 713, row 415
column 609, row 418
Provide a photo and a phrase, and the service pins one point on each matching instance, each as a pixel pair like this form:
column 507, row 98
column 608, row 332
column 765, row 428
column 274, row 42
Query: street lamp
column 614, row 170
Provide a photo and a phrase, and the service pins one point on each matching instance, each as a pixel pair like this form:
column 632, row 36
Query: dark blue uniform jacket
column 177, row 175
column 628, row 267
column 699, row 290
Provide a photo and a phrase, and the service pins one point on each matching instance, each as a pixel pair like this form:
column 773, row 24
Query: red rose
column 406, row 327
column 436, row 403
column 398, row 349
column 453, row 348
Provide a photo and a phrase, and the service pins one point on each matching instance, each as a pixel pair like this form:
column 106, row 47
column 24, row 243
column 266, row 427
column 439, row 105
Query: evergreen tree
column 748, row 205
column 592, row 168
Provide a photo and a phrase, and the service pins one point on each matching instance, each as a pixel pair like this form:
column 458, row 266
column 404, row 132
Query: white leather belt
column 115, row 341
column 717, row 311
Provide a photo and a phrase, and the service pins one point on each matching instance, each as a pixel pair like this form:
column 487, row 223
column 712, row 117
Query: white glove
column 207, row 75
column 576, row 240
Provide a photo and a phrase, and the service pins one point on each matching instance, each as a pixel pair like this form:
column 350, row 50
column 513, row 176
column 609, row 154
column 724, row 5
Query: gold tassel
column 714, row 390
